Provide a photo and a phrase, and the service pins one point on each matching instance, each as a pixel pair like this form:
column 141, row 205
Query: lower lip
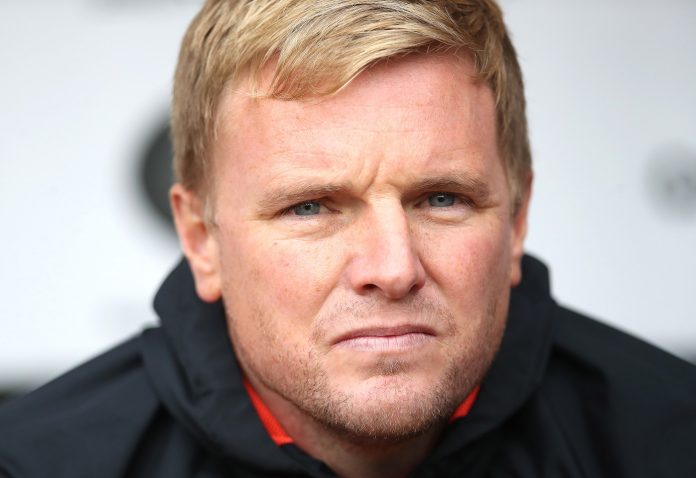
column 388, row 343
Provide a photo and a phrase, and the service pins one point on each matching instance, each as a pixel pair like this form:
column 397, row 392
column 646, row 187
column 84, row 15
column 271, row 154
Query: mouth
column 386, row 339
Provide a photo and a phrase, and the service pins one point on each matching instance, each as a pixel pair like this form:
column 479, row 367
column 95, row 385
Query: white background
column 611, row 86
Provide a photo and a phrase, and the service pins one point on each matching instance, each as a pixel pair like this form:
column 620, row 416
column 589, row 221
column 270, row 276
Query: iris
column 308, row 208
column 441, row 200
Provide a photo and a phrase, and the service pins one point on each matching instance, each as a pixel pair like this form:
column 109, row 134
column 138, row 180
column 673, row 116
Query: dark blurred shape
column 671, row 180
column 156, row 173
column 5, row 395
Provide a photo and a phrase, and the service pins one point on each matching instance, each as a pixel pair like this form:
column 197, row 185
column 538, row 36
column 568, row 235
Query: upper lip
column 384, row 331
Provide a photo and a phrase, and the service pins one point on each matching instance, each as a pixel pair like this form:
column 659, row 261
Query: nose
column 384, row 256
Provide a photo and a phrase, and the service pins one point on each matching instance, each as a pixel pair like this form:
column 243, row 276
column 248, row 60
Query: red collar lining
column 274, row 429
column 280, row 436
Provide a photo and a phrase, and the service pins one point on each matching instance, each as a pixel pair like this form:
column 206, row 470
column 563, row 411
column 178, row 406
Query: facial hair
column 393, row 411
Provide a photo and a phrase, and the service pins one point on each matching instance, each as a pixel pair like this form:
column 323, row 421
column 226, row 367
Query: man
column 354, row 179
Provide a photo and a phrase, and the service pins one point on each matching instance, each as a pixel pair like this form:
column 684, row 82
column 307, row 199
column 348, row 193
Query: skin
column 364, row 246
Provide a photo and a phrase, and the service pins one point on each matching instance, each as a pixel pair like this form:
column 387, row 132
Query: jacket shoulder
column 625, row 407
column 629, row 362
column 84, row 423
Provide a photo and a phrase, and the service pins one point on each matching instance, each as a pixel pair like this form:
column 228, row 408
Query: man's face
column 364, row 245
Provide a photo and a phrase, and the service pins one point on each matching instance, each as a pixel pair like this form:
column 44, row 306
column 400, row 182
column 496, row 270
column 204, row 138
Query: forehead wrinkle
column 308, row 116
column 401, row 118
column 295, row 158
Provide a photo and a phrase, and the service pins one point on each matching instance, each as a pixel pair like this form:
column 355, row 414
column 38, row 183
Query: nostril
column 416, row 286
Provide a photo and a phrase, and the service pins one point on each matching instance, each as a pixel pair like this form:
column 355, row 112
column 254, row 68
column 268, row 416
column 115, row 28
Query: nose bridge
column 385, row 255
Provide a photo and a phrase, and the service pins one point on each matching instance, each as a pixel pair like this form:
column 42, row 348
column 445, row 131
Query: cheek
column 272, row 313
column 286, row 282
column 468, row 258
column 299, row 275
column 470, row 269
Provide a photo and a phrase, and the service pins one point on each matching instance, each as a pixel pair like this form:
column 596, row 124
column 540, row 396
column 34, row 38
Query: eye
column 308, row 208
column 442, row 200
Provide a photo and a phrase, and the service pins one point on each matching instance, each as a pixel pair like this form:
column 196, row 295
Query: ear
column 197, row 242
column 519, row 232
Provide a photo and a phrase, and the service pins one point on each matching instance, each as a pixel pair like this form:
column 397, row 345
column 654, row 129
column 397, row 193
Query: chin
column 390, row 408
column 390, row 418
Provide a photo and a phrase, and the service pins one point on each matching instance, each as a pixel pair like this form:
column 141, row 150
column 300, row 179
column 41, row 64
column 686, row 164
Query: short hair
column 319, row 46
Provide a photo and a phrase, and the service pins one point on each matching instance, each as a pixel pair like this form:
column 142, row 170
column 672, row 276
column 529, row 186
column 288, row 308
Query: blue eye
column 441, row 200
column 308, row 208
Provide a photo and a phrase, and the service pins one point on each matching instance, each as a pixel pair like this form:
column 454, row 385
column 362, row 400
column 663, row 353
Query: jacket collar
column 198, row 378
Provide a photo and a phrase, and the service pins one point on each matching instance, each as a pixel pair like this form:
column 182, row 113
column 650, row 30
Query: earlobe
column 519, row 232
column 197, row 242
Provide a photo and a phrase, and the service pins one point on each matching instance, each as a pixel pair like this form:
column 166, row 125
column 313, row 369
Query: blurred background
column 85, row 240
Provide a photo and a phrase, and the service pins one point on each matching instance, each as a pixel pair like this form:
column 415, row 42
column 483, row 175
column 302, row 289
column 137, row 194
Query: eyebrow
column 456, row 183
column 283, row 196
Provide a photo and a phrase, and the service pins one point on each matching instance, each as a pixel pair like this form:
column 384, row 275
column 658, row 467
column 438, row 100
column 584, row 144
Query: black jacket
column 566, row 397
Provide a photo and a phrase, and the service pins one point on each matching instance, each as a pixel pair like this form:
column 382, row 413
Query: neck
column 372, row 459
column 350, row 456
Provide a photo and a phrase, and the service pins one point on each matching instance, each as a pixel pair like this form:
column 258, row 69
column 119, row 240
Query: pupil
column 441, row 199
column 307, row 208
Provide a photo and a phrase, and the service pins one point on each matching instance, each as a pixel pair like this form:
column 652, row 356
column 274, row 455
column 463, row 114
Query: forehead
column 429, row 76
column 432, row 103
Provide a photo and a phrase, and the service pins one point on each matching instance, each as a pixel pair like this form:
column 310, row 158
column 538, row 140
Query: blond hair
column 319, row 46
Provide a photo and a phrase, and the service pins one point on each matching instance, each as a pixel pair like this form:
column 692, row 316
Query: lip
column 386, row 338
